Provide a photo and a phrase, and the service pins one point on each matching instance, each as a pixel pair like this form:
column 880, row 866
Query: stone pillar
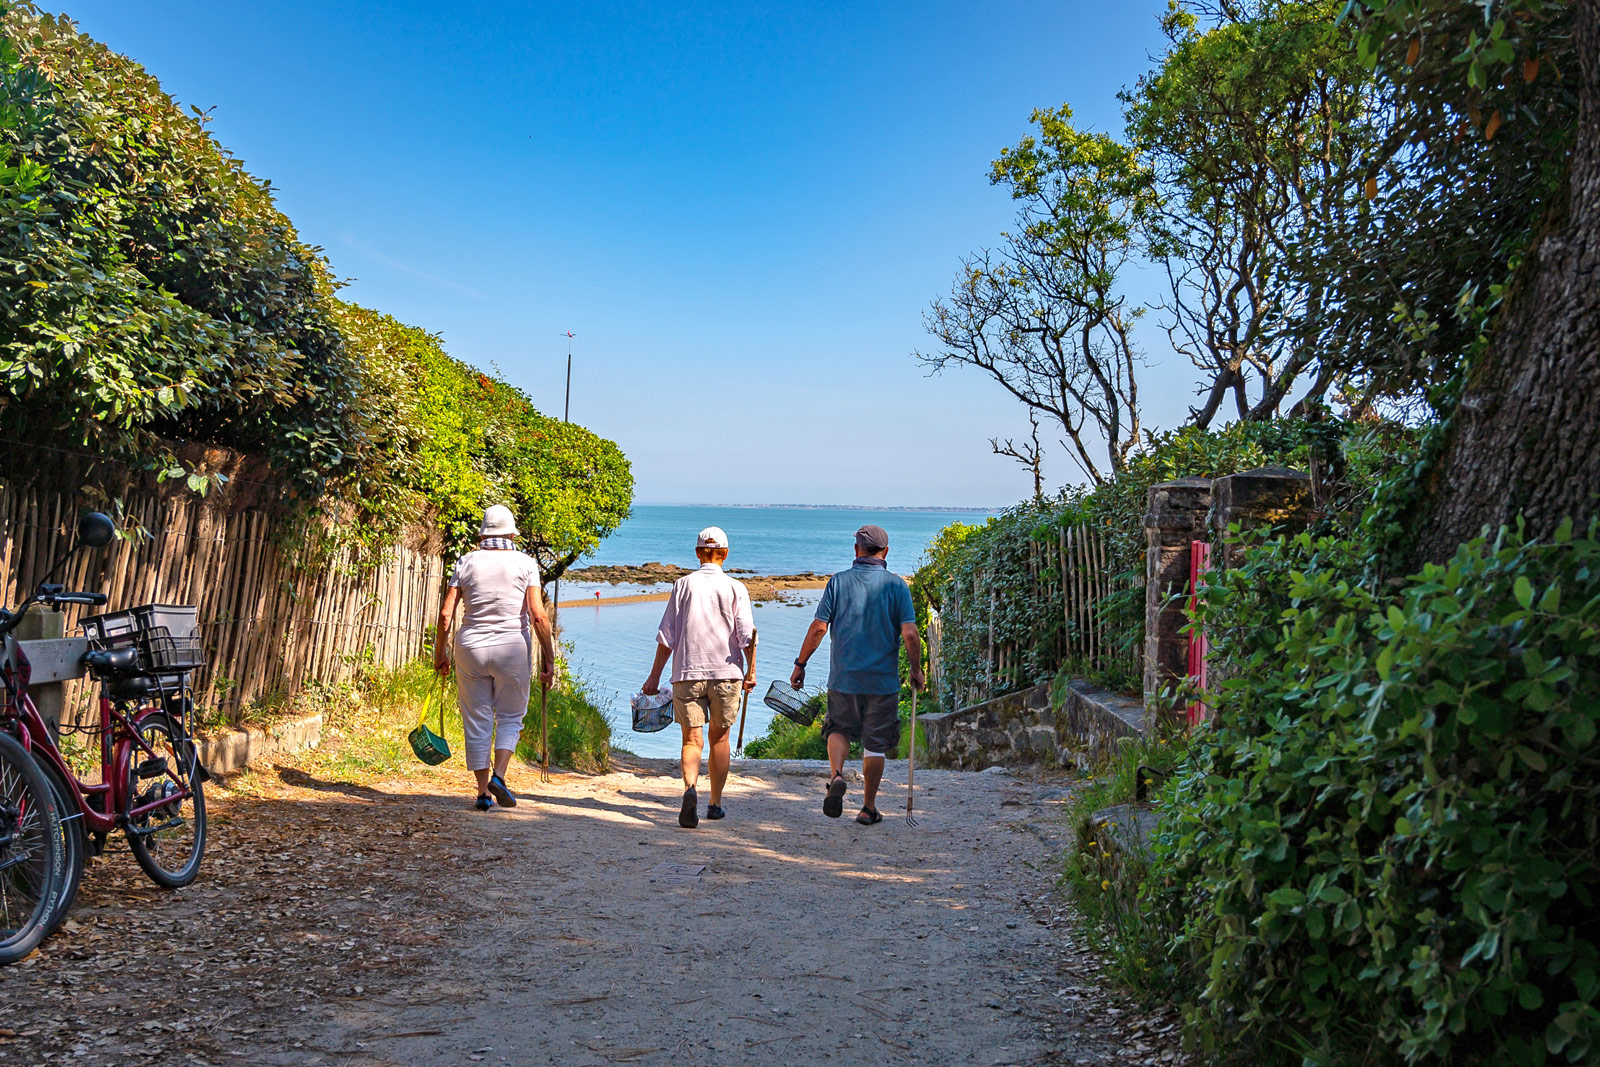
column 1176, row 516
column 50, row 698
column 1275, row 497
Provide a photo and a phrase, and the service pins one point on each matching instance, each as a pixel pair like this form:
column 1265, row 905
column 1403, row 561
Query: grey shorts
column 871, row 718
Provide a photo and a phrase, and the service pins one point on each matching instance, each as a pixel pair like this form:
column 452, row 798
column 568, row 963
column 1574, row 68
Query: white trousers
column 492, row 687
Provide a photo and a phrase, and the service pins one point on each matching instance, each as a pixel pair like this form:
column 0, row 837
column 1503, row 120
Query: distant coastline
column 825, row 507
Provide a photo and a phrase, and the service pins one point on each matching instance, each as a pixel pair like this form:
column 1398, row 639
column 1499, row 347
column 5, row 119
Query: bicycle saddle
column 112, row 660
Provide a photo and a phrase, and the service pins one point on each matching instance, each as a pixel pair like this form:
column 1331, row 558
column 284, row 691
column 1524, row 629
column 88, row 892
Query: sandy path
column 405, row 928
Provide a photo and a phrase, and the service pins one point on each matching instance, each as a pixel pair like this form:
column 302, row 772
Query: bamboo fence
column 1073, row 573
column 267, row 626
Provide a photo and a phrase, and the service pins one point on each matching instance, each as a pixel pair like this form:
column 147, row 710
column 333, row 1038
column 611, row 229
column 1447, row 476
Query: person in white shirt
column 709, row 633
column 498, row 588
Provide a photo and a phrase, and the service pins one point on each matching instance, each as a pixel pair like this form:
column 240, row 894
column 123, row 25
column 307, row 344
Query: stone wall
column 1027, row 729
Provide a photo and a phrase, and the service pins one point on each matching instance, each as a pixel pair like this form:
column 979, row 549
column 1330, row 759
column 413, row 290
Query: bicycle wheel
column 168, row 841
column 31, row 862
column 74, row 844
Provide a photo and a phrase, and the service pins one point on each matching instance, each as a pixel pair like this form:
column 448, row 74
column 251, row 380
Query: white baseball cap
column 712, row 537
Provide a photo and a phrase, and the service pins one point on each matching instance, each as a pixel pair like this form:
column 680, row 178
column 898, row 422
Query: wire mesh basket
column 160, row 652
column 801, row 705
column 652, row 713
column 163, row 634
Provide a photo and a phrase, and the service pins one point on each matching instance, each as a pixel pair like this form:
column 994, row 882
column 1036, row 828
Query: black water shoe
column 714, row 811
column 833, row 803
column 484, row 803
column 502, row 795
column 688, row 817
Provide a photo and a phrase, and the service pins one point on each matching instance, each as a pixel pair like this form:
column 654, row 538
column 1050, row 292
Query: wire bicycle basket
column 801, row 705
column 651, row 713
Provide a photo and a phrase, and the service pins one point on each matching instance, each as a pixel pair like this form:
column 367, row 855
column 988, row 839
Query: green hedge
column 151, row 293
column 1388, row 849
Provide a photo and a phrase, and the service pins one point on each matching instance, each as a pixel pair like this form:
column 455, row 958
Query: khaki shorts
column 708, row 699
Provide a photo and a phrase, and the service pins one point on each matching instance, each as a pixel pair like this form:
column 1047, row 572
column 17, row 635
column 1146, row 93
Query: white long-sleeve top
column 707, row 625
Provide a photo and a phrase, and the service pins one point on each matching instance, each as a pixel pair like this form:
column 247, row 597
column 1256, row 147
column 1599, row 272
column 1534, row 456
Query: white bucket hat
column 498, row 522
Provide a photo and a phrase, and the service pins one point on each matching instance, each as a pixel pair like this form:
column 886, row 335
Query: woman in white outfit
column 498, row 589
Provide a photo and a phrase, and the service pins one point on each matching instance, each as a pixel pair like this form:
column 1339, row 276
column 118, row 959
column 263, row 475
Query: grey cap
column 873, row 538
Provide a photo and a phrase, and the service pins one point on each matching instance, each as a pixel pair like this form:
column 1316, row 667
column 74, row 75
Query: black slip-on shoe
column 484, row 803
column 502, row 795
column 688, row 817
column 833, row 803
column 714, row 811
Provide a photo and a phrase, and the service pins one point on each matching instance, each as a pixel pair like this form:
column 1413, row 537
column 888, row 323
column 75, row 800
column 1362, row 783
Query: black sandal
column 869, row 817
column 833, row 804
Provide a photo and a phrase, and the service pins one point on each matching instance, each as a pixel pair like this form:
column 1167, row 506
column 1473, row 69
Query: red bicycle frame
column 119, row 739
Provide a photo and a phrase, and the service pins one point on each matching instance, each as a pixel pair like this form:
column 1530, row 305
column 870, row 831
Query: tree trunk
column 1526, row 436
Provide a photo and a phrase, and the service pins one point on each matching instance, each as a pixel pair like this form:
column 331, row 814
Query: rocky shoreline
column 761, row 586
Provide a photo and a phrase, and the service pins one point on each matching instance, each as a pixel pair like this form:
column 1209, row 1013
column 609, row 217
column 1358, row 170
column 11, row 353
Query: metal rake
column 544, row 733
column 911, row 769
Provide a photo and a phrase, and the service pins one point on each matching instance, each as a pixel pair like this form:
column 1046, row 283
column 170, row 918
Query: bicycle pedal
column 153, row 768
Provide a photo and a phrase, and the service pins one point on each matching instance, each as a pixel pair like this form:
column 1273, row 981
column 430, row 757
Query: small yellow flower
column 1106, row 884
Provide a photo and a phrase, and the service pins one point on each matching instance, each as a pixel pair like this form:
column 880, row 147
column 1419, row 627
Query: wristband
column 800, row 664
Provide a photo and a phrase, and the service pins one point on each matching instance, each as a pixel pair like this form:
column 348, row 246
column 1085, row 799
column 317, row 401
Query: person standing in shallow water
column 709, row 633
column 498, row 589
column 869, row 609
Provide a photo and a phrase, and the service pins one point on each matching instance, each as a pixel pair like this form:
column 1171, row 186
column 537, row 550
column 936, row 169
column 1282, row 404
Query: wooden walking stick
column 745, row 706
column 544, row 694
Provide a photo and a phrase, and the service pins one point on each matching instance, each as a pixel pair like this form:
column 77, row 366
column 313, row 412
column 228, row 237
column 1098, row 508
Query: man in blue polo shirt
column 870, row 612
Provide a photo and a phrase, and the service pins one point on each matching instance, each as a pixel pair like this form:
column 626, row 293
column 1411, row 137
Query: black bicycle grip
column 80, row 598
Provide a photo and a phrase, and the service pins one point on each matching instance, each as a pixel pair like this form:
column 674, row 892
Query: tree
column 1508, row 92
column 1253, row 124
column 1030, row 453
column 1044, row 315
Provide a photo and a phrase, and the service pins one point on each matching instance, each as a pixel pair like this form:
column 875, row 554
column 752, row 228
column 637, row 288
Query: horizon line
column 821, row 507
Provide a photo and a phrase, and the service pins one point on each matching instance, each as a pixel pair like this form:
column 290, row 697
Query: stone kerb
column 1174, row 517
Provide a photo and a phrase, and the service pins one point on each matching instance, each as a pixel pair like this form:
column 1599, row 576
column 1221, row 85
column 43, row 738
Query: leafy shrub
column 151, row 293
column 580, row 733
column 1108, row 880
column 148, row 285
column 785, row 739
column 1389, row 846
column 445, row 441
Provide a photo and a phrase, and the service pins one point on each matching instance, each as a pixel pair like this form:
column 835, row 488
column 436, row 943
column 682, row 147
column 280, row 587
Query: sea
column 610, row 646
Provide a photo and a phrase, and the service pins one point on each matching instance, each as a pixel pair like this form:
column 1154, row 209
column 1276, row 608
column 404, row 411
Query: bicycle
column 151, row 780
column 31, row 859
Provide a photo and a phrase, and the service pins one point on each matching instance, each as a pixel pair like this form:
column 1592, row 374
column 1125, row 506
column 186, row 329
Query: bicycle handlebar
column 47, row 595
column 93, row 599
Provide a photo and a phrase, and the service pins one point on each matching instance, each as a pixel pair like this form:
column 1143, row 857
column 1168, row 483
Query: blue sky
column 741, row 210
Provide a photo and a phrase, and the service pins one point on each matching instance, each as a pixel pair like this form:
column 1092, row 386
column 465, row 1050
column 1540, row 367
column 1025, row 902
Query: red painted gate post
column 1199, row 564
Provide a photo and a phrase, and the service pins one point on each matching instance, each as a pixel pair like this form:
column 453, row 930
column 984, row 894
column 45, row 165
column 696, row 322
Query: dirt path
column 387, row 923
